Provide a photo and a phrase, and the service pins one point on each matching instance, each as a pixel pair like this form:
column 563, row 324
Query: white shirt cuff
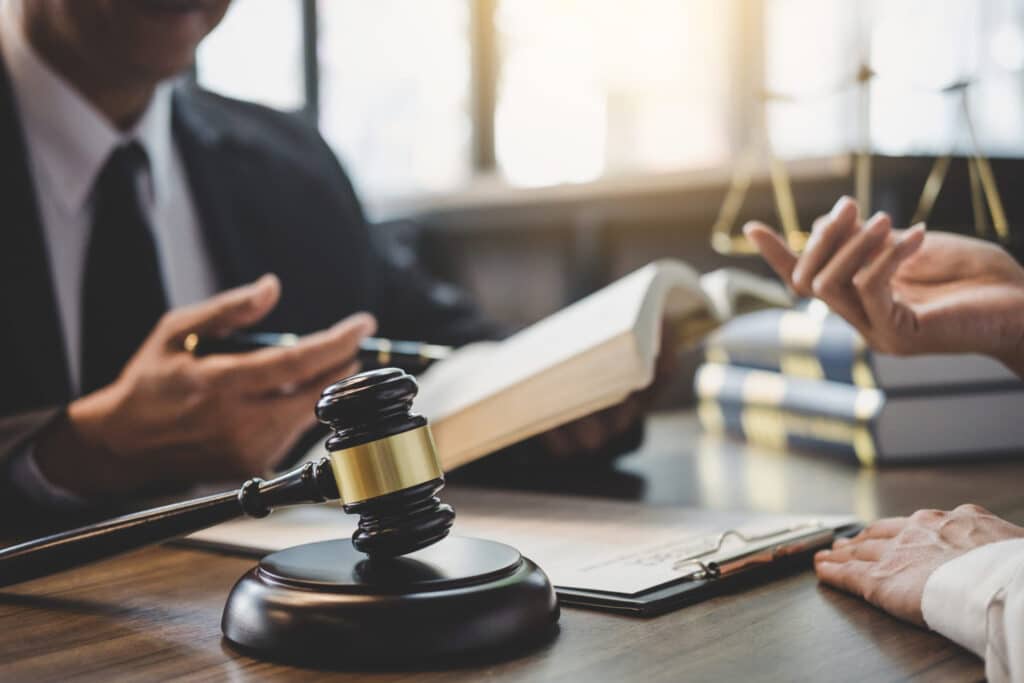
column 957, row 595
column 29, row 479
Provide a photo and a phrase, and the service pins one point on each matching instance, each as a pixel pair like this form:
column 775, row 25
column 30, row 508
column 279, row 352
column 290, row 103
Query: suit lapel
column 261, row 210
column 31, row 350
column 231, row 174
column 214, row 164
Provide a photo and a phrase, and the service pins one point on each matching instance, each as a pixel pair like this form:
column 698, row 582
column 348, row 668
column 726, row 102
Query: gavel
column 392, row 590
column 382, row 465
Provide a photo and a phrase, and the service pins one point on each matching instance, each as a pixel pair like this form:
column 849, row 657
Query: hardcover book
column 782, row 412
column 816, row 344
column 586, row 357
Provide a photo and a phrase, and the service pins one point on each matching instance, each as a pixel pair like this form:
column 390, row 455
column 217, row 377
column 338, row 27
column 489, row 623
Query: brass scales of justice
column 986, row 201
column 400, row 588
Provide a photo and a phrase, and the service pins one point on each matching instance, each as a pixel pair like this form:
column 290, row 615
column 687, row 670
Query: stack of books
column 804, row 379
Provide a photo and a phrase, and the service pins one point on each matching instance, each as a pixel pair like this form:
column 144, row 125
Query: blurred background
column 533, row 150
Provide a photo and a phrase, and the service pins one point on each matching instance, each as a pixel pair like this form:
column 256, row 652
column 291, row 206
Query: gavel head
column 385, row 463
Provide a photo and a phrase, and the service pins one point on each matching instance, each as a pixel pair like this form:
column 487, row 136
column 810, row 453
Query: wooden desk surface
column 155, row 614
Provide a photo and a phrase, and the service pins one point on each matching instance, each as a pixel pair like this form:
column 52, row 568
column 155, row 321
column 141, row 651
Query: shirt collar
column 153, row 131
column 69, row 139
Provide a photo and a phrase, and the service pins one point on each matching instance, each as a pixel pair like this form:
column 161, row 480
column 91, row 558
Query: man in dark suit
column 137, row 211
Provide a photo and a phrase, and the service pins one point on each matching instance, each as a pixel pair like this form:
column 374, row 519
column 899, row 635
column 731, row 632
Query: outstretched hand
column 907, row 291
column 888, row 564
column 171, row 418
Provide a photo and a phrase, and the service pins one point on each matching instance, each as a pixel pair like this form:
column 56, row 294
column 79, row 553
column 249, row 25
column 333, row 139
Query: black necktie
column 122, row 293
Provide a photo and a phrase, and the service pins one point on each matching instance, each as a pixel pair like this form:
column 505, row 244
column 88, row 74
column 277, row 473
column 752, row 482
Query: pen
column 374, row 352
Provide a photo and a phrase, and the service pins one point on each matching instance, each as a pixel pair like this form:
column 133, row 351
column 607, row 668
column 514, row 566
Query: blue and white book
column 812, row 343
column 865, row 423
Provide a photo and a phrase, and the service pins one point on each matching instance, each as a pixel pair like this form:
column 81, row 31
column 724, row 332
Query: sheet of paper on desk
column 582, row 543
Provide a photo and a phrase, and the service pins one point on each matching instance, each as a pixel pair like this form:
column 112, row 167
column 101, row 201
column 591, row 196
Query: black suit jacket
column 271, row 197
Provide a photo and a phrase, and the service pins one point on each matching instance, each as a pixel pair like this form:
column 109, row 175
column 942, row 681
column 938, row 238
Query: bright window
column 811, row 60
column 256, row 54
column 421, row 96
column 394, row 92
column 916, row 48
column 593, row 87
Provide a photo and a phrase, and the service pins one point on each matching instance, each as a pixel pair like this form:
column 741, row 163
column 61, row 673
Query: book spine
column 784, row 430
column 729, row 384
column 799, row 343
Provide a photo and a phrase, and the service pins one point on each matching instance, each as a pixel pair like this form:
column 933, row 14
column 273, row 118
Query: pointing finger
column 773, row 248
column 225, row 312
column 852, row 256
column 873, row 281
column 272, row 368
column 827, row 238
column 834, row 284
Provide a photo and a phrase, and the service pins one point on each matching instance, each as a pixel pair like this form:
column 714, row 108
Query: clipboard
column 632, row 559
column 703, row 578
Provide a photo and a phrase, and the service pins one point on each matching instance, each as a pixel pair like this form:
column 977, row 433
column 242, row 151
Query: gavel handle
column 308, row 483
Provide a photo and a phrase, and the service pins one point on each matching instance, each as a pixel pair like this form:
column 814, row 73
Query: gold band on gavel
column 386, row 465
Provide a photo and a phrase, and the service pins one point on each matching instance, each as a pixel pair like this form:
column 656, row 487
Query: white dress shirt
column 68, row 142
column 977, row 600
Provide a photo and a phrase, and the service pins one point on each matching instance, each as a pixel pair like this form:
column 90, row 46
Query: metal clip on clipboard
column 817, row 535
column 700, row 578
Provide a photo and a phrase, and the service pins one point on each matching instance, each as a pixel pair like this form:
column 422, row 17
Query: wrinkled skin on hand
column 889, row 562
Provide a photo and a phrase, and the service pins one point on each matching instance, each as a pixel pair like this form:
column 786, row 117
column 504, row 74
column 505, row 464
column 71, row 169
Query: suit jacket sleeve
column 18, row 430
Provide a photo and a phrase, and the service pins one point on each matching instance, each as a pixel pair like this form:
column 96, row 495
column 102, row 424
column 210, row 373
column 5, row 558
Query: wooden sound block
column 328, row 603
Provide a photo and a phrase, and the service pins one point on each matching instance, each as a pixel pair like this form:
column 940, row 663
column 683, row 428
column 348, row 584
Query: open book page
column 582, row 543
column 733, row 292
column 583, row 358
column 479, row 371
column 586, row 357
column 443, row 386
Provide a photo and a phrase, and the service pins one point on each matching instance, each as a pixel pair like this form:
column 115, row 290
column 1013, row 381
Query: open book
column 586, row 357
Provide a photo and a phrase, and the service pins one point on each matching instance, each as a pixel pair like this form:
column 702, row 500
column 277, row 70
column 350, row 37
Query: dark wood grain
column 155, row 614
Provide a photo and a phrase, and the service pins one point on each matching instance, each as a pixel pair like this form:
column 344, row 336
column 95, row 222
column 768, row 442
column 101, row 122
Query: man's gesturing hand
column 889, row 562
column 907, row 291
column 172, row 418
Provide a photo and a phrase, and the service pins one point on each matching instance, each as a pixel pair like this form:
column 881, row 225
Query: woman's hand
column 907, row 291
column 888, row 564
